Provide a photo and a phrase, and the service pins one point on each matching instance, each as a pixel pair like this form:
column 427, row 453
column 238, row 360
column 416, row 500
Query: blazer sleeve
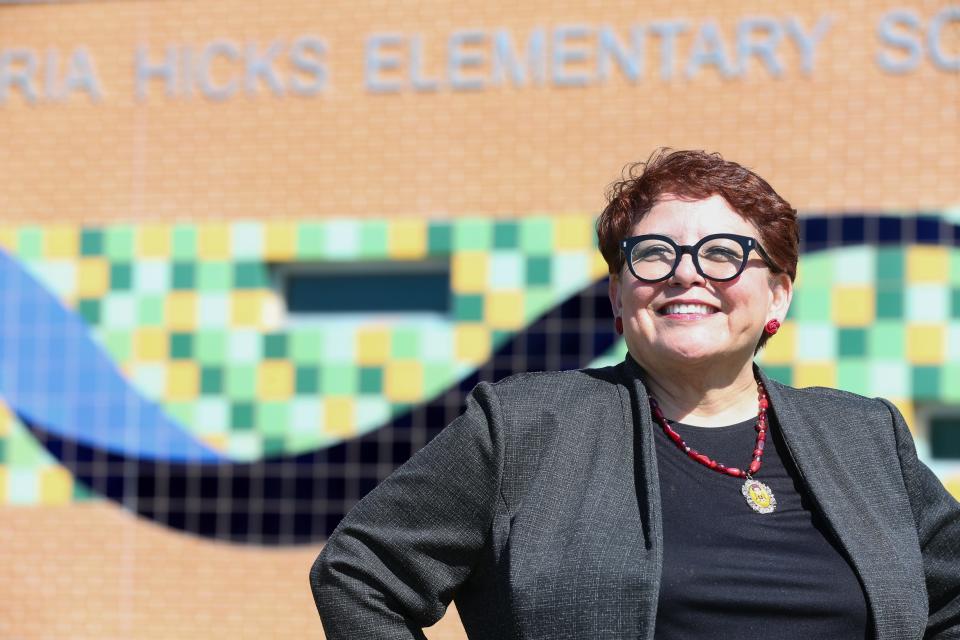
column 937, row 515
column 392, row 565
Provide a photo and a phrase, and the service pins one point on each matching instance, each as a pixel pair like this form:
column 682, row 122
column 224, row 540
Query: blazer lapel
column 818, row 451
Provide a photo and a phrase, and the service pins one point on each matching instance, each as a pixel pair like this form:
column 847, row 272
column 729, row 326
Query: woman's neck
column 706, row 397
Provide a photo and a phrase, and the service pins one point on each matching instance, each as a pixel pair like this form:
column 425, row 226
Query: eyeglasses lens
column 720, row 258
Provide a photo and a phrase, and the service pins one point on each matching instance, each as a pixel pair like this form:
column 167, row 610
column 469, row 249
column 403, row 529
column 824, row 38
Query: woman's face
column 731, row 316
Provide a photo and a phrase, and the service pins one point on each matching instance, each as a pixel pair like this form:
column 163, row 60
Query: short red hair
column 697, row 175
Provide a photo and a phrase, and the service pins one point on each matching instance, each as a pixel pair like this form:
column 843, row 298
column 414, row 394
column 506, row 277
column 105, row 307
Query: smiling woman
column 679, row 494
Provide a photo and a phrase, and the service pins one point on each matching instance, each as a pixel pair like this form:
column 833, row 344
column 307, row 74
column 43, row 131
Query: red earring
column 772, row 327
column 618, row 325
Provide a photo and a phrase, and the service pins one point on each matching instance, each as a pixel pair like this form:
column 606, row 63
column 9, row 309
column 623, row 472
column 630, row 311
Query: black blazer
column 538, row 512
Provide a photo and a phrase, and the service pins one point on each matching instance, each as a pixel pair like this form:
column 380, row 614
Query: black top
column 729, row 571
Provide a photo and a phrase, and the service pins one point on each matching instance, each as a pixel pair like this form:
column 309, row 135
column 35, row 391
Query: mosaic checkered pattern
column 189, row 314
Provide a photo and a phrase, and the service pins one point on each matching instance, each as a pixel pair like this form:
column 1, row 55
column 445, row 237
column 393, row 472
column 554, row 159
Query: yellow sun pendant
column 759, row 496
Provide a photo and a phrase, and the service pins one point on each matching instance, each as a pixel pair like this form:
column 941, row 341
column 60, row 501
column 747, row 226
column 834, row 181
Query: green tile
column 472, row 234
column 950, row 383
column 273, row 445
column 852, row 341
column 181, row 346
column 373, row 239
column 890, row 267
column 437, row 376
column 211, row 380
column 538, row 270
column 854, row 376
column 310, row 240
column 439, row 238
column 184, row 275
column 250, row 275
column 810, row 304
column 955, row 302
column 926, row 383
column 241, row 416
column 505, row 235
column 150, row 311
column 275, row 345
column 336, row 380
column 121, row 276
column 30, row 242
column 3, row 450
column 499, row 337
column 184, row 242
column 468, row 308
column 118, row 243
column 307, row 379
column 91, row 242
column 241, row 381
column 272, row 418
column 885, row 339
column 536, row 236
column 305, row 345
column 210, row 346
column 955, row 268
column 889, row 303
column 214, row 276
column 118, row 344
column 816, row 270
column 182, row 412
column 22, row 449
column 81, row 492
column 371, row 380
column 89, row 310
column 780, row 373
column 405, row 343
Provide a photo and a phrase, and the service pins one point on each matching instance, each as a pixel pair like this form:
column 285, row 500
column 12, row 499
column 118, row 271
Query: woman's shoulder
column 567, row 383
column 827, row 402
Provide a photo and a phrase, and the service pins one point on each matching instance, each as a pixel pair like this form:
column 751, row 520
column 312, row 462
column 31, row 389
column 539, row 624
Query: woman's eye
column 653, row 253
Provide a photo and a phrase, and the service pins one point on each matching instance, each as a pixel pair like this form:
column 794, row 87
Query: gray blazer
column 538, row 512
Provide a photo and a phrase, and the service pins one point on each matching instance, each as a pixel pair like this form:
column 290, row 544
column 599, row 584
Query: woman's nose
column 686, row 273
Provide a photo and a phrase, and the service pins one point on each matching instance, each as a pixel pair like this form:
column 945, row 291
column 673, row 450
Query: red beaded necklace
column 757, row 494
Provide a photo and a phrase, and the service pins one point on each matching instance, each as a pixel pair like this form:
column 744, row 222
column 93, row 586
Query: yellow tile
column 181, row 310
column 281, row 241
column 246, row 308
column 905, row 406
column 183, row 380
column 8, row 240
column 93, row 277
column 60, row 241
column 853, row 306
column 407, row 239
column 373, row 346
column 781, row 348
column 504, row 309
column 598, row 266
column 952, row 484
column 153, row 241
column 472, row 343
column 573, row 232
column 6, row 422
column 925, row 344
column 56, row 486
column 403, row 381
column 216, row 441
column 338, row 416
column 928, row 264
column 469, row 271
column 150, row 344
column 213, row 242
column 275, row 380
column 815, row 374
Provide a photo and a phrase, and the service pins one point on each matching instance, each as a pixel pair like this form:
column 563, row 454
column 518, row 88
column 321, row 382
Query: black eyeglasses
column 719, row 257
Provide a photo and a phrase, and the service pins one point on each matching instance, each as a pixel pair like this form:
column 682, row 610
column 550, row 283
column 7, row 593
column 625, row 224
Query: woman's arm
column 394, row 562
column 937, row 515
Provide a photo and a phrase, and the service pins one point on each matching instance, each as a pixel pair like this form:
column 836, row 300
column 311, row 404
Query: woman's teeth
column 700, row 309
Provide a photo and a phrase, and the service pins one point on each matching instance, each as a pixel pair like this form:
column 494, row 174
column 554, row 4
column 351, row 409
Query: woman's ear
column 613, row 291
column 781, row 293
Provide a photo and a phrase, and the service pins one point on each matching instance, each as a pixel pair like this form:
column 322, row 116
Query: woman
column 680, row 494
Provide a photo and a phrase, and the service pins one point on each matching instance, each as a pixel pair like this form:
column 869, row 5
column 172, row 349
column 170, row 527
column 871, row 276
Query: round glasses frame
column 746, row 243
